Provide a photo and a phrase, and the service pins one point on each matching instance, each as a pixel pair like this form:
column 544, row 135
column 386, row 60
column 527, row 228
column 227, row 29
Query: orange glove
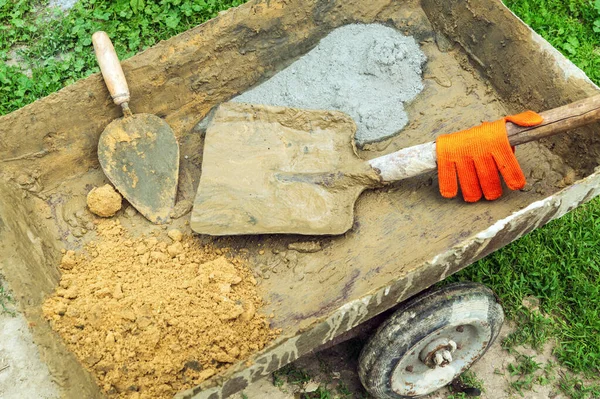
column 476, row 155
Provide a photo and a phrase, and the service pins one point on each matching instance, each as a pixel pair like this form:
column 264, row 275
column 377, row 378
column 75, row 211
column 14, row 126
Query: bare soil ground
column 22, row 372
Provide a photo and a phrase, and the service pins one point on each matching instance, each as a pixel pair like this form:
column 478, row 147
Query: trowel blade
column 140, row 156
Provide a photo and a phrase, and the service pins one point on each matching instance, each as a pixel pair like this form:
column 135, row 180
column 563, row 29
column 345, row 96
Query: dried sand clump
column 151, row 317
column 104, row 201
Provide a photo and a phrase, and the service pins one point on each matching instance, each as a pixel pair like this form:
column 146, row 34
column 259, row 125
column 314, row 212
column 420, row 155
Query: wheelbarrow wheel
column 432, row 339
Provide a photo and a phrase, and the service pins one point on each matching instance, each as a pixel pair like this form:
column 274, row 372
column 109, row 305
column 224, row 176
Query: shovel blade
column 140, row 156
column 278, row 170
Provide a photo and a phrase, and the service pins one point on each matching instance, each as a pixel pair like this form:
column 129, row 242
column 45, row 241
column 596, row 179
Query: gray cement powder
column 366, row 71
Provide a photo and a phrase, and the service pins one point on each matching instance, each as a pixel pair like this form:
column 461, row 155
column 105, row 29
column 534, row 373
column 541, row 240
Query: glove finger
column 510, row 169
column 469, row 183
column 527, row 118
column 489, row 179
column 447, row 179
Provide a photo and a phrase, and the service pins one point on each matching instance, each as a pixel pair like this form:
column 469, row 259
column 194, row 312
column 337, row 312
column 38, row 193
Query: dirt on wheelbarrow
column 149, row 317
column 47, row 172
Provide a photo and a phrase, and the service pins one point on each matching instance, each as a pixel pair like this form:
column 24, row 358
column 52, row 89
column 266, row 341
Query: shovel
column 282, row 170
column 138, row 153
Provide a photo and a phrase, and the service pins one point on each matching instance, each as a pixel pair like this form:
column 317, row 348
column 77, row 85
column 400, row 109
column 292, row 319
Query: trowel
column 283, row 170
column 138, row 153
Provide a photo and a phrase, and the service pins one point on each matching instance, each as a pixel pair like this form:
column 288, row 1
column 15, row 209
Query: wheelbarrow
column 483, row 63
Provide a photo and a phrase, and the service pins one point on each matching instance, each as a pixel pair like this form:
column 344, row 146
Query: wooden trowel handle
column 111, row 68
column 413, row 161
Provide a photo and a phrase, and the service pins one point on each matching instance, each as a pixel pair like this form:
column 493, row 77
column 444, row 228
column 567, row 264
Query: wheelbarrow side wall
column 527, row 74
column 31, row 254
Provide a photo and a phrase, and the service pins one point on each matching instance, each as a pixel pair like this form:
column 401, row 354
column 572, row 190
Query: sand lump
column 104, row 201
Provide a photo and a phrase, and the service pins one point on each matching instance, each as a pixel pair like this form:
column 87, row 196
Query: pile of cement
column 366, row 71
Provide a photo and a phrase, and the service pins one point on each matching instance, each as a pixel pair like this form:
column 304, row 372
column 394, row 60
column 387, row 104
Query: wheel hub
column 438, row 353
column 438, row 358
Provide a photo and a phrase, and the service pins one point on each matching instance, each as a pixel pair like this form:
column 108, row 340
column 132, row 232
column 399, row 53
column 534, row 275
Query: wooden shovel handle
column 419, row 159
column 557, row 120
column 111, row 68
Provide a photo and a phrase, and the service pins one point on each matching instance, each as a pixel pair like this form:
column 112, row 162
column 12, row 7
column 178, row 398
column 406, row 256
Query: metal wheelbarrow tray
column 483, row 63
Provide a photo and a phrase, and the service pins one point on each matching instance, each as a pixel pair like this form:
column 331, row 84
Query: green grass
column 576, row 389
column 526, row 374
column 321, row 393
column 290, row 374
column 343, row 391
column 296, row 379
column 572, row 26
column 6, row 300
column 468, row 379
column 525, row 369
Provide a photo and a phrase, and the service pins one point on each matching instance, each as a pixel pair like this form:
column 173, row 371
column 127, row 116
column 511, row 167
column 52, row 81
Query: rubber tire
column 418, row 319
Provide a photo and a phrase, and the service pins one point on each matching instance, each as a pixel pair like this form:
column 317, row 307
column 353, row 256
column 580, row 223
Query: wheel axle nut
column 453, row 346
column 447, row 356
column 438, row 353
